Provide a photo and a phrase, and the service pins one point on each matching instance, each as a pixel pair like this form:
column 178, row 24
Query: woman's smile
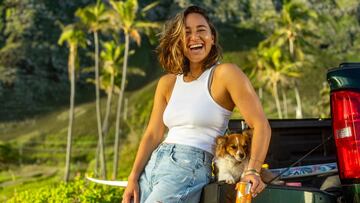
column 196, row 48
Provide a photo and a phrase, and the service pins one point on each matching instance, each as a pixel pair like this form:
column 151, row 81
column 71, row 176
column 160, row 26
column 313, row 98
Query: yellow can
column 243, row 194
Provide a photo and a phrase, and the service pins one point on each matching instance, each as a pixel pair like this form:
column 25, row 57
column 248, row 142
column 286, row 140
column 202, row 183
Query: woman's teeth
column 196, row 46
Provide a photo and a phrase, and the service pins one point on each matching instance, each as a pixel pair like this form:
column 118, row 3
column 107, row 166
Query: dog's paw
column 229, row 179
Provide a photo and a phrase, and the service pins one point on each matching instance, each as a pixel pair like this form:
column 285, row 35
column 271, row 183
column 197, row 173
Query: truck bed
column 291, row 139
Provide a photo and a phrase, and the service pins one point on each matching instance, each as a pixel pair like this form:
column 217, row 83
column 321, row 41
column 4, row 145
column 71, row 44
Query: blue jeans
column 175, row 173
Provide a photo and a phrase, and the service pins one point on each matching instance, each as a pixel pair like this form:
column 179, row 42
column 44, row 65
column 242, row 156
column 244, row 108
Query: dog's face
column 236, row 145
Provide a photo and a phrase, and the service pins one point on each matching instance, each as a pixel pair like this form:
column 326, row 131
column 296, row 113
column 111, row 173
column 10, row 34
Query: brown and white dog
column 232, row 155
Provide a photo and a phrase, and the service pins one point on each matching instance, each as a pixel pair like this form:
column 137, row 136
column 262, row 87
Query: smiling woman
column 193, row 102
column 194, row 33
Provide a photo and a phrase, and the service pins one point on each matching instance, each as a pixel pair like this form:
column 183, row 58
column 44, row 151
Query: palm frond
column 136, row 71
column 147, row 24
column 72, row 34
column 150, row 6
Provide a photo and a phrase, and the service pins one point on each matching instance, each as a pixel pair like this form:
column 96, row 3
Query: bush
column 78, row 190
column 8, row 155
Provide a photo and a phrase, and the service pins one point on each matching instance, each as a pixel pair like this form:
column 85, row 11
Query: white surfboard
column 109, row 182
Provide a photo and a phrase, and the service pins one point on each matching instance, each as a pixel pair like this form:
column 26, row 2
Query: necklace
column 194, row 77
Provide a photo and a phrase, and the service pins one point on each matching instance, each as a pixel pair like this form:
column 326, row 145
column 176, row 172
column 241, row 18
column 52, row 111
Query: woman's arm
column 245, row 99
column 152, row 137
column 154, row 132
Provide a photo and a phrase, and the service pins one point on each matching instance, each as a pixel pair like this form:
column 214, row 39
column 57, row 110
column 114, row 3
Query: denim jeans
column 175, row 173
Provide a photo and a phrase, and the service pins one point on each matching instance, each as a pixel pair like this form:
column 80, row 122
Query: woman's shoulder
column 167, row 79
column 166, row 84
column 224, row 70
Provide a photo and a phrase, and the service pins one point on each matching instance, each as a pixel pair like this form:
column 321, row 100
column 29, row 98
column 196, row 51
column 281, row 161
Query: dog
column 232, row 155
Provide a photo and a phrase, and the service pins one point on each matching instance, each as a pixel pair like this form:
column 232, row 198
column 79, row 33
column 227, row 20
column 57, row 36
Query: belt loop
column 207, row 157
column 171, row 149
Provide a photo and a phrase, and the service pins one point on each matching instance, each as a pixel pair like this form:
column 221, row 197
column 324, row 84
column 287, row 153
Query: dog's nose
column 242, row 156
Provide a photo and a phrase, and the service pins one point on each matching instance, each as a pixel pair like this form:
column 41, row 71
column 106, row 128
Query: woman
column 194, row 101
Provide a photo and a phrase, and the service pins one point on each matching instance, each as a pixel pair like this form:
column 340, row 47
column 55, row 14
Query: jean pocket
column 186, row 161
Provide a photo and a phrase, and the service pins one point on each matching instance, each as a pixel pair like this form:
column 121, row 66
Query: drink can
column 243, row 194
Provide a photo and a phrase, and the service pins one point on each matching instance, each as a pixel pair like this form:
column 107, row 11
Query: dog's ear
column 221, row 140
column 220, row 145
column 248, row 135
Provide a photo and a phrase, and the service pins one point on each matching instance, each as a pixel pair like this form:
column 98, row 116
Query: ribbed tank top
column 192, row 115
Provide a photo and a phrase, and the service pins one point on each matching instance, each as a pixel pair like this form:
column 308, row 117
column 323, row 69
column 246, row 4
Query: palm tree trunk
column 118, row 112
column 71, row 64
column 105, row 127
column 108, row 106
column 97, row 161
column 126, row 100
column 291, row 47
column 277, row 100
column 298, row 103
column 284, row 98
column 98, row 112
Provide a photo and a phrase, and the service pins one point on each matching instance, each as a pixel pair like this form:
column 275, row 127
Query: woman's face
column 199, row 38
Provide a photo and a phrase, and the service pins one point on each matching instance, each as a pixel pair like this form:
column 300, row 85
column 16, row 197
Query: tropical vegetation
column 55, row 129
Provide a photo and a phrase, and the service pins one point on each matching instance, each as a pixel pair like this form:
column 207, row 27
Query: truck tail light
column 345, row 108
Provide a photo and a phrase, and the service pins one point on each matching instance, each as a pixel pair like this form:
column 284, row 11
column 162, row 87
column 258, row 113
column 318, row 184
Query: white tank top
column 192, row 115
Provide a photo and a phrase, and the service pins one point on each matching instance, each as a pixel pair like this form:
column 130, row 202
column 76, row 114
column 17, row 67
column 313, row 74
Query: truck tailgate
column 225, row 193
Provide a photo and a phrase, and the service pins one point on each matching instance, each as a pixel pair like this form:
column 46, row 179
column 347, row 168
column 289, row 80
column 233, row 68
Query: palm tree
column 124, row 19
column 112, row 58
column 293, row 27
column 300, row 22
column 275, row 70
column 95, row 19
column 74, row 37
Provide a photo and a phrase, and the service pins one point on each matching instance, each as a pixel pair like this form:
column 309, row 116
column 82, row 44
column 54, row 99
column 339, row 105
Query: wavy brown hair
column 172, row 43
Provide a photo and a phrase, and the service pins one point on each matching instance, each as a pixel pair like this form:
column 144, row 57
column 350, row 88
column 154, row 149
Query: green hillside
column 42, row 140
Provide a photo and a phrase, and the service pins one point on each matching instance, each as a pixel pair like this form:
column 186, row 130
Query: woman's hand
column 131, row 193
column 257, row 185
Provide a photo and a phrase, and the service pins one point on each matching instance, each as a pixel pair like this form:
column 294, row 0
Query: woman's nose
column 194, row 35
